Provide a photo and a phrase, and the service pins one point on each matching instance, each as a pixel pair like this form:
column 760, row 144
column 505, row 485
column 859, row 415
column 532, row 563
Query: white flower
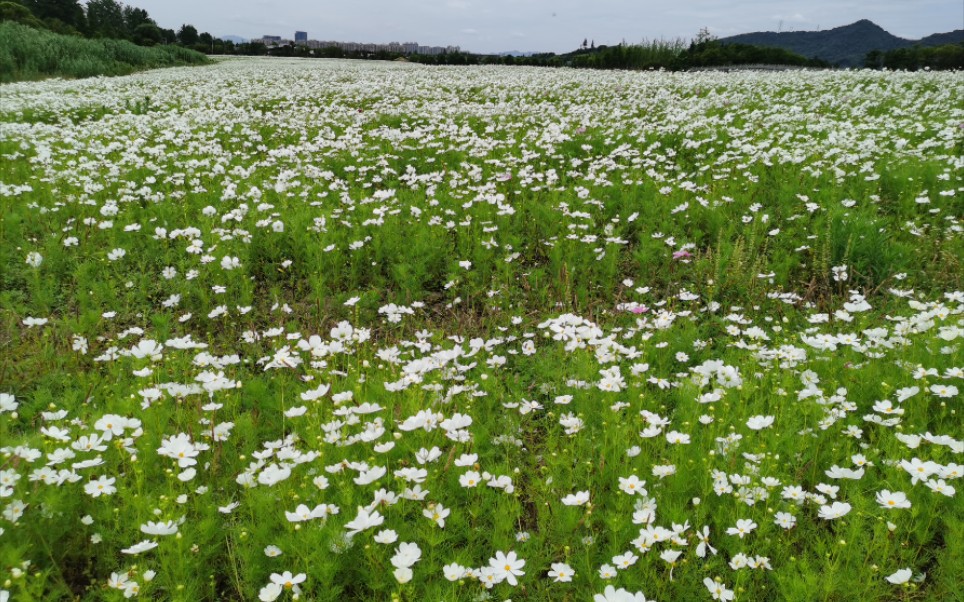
column 785, row 520
column 507, row 566
column 611, row 594
column 364, row 520
column 34, row 259
column 141, row 547
column 743, row 527
column 287, row 580
column 718, row 590
column 406, row 555
column 454, row 571
column 900, row 577
column 632, row 485
column 8, row 403
column 757, row 423
column 835, row 510
column 386, row 536
column 165, row 528
column 892, row 500
column 561, row 572
column 270, row 592
column 580, row 498
column 102, row 486
column 436, row 513
column 230, row 263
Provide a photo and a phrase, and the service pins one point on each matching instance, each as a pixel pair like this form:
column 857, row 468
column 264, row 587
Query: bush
column 27, row 53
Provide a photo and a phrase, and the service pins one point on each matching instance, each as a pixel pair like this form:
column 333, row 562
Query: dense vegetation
column 27, row 53
column 946, row 57
column 344, row 330
column 658, row 54
column 108, row 19
column 704, row 53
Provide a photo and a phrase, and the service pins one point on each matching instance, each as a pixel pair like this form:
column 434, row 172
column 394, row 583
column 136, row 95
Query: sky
column 543, row 25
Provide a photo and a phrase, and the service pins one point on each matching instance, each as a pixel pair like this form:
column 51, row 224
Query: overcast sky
column 543, row 25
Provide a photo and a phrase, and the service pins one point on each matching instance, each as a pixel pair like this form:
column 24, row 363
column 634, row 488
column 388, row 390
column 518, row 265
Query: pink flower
column 684, row 254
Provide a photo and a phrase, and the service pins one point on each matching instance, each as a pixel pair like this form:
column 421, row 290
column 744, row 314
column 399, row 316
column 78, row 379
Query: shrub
column 27, row 54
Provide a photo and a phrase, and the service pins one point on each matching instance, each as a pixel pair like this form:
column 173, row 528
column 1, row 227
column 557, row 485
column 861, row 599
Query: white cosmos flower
column 834, row 510
column 757, row 423
column 140, row 548
column 165, row 528
column 580, row 498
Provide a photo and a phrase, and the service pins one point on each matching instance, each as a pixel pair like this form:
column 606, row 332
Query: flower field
column 322, row 330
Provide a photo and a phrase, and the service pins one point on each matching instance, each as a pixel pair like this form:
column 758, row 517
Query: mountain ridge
column 845, row 46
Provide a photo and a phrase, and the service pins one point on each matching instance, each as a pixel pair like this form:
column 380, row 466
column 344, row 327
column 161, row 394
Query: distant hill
column 845, row 46
column 940, row 39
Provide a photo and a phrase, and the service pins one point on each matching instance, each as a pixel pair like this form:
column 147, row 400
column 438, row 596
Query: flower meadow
column 277, row 330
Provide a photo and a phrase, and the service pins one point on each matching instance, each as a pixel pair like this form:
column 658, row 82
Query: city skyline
column 301, row 39
column 543, row 25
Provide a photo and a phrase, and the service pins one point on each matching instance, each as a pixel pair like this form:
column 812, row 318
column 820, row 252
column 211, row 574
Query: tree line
column 675, row 55
column 946, row 57
column 108, row 19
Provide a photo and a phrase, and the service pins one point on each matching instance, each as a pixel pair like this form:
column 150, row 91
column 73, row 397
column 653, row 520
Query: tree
column 60, row 15
column 187, row 35
column 134, row 18
column 874, row 59
column 105, row 18
column 704, row 36
column 148, row 34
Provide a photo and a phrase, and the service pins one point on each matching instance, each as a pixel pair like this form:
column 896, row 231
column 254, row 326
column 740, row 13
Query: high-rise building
column 301, row 37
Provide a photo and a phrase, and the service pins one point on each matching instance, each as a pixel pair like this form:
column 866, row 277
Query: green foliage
column 187, row 35
column 27, row 54
column 105, row 19
column 64, row 16
column 18, row 13
column 939, row 58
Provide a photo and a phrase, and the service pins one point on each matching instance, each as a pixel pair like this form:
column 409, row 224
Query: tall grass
column 28, row 54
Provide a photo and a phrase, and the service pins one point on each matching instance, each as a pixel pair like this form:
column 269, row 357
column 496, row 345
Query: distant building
column 301, row 37
column 391, row 47
column 272, row 41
